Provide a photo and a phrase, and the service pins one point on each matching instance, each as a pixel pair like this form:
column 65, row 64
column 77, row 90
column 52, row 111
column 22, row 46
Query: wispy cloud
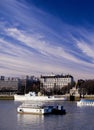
column 86, row 49
column 29, row 43
column 40, row 45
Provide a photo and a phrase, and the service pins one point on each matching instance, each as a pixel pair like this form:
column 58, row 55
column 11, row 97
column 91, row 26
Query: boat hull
column 33, row 111
column 41, row 110
column 37, row 98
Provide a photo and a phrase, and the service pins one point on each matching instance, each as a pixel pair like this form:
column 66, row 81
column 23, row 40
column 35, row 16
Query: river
column 76, row 118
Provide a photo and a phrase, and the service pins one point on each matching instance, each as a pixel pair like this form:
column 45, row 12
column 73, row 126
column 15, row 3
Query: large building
column 59, row 81
column 8, row 83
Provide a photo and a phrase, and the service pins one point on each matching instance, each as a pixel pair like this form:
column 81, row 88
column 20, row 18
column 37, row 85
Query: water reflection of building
column 51, row 81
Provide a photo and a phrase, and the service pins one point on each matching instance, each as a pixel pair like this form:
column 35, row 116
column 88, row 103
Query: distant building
column 8, row 83
column 29, row 83
column 59, row 81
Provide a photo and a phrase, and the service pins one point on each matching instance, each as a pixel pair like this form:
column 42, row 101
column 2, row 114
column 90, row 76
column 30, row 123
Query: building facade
column 59, row 81
column 8, row 83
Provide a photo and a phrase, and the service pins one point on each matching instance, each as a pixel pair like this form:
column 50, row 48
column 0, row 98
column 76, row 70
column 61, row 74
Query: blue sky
column 47, row 36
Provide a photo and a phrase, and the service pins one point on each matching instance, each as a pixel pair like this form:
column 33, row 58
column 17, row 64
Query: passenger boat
column 40, row 109
column 31, row 96
column 85, row 102
column 33, row 109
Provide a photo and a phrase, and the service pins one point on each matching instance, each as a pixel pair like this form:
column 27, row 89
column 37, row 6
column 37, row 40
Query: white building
column 51, row 81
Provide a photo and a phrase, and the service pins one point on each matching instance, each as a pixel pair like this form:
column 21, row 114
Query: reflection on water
column 39, row 122
column 30, row 118
column 77, row 118
column 30, row 121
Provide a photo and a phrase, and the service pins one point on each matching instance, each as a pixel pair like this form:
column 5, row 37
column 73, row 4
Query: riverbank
column 69, row 98
column 6, row 97
column 77, row 98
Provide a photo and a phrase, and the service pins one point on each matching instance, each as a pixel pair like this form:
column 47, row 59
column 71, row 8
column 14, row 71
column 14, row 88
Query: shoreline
column 6, row 97
column 69, row 98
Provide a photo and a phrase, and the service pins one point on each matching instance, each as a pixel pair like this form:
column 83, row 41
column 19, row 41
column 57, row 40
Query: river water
column 76, row 118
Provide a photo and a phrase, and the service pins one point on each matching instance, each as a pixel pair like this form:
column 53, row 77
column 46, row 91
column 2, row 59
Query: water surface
column 76, row 118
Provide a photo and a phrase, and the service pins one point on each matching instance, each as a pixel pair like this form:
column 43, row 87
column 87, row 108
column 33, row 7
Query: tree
column 85, row 87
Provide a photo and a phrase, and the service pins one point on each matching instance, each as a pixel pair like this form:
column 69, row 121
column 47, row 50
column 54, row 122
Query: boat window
column 21, row 110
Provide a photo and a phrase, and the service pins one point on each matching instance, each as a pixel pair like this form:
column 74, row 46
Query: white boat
column 85, row 102
column 34, row 109
column 26, row 108
column 33, row 97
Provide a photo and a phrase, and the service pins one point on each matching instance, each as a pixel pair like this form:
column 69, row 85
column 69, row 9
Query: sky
column 41, row 37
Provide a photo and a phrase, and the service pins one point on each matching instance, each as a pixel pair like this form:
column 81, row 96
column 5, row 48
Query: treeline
column 56, row 90
column 33, row 86
column 37, row 86
column 85, row 87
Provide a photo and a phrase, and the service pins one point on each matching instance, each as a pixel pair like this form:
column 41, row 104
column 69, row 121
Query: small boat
column 40, row 109
column 85, row 102
column 31, row 96
column 58, row 110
